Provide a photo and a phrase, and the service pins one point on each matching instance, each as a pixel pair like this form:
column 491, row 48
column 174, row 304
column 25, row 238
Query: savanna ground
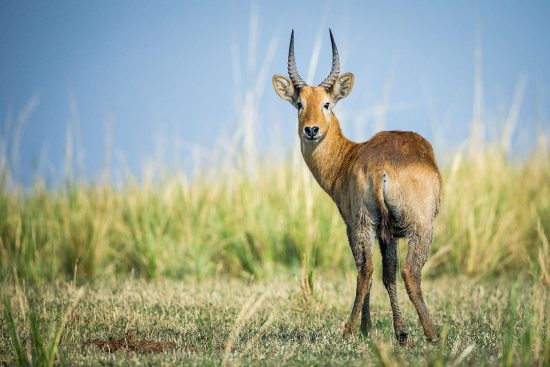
column 249, row 265
column 284, row 322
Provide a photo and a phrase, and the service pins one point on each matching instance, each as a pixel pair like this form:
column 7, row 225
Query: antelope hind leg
column 417, row 254
column 389, row 270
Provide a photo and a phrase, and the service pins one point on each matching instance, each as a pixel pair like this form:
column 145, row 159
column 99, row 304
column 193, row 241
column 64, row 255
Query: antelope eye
column 326, row 105
column 299, row 105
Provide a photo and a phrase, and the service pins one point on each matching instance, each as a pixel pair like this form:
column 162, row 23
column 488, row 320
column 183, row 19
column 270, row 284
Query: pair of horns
column 293, row 71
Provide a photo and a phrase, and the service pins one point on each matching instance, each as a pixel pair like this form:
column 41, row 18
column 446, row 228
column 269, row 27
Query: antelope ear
column 342, row 86
column 284, row 87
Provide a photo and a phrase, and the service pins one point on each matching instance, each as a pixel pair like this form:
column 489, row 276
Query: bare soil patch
column 130, row 343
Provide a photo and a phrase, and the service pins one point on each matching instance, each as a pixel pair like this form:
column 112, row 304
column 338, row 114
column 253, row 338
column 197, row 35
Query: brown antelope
column 388, row 187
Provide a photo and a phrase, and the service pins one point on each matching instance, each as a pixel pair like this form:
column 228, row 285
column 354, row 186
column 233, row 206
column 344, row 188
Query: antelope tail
column 386, row 218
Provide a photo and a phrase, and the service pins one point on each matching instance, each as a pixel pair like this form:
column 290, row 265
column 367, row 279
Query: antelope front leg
column 360, row 241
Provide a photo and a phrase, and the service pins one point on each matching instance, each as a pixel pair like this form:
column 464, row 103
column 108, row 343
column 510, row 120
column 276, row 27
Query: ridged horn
column 292, row 70
column 335, row 70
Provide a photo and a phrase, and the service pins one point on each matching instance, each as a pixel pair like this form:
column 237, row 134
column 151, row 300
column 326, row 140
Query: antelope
column 388, row 187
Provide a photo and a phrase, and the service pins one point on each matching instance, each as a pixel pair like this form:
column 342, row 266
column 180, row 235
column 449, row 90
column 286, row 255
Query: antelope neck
column 326, row 158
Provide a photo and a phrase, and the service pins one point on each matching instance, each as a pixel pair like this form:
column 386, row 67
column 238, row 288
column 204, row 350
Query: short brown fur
column 388, row 187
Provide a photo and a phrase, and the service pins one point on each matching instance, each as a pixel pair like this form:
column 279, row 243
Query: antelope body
column 388, row 187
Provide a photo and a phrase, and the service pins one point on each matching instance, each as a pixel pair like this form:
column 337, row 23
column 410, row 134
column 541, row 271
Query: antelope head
column 314, row 104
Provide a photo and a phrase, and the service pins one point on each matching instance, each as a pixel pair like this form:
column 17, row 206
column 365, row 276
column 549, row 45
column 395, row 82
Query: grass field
column 495, row 219
column 279, row 322
column 224, row 269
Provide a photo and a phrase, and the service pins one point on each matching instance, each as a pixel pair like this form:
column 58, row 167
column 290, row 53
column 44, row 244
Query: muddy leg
column 360, row 241
column 417, row 255
column 389, row 269
column 366, row 323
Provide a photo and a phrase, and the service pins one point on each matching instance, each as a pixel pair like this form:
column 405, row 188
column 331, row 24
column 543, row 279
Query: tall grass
column 495, row 218
column 26, row 323
column 495, row 213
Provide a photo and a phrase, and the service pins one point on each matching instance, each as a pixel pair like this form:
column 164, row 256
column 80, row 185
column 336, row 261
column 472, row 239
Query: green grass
column 43, row 352
column 277, row 322
column 495, row 219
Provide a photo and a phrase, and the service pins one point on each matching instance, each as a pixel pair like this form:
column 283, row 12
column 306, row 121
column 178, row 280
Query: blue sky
column 171, row 76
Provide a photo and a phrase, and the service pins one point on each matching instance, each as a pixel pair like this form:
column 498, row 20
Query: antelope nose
column 311, row 131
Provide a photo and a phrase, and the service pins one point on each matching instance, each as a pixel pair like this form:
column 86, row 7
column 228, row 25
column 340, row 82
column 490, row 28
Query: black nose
column 311, row 131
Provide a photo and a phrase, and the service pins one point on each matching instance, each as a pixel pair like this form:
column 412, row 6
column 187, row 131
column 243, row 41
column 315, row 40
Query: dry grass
column 235, row 322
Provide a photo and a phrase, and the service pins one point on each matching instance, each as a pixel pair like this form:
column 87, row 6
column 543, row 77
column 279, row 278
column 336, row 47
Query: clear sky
column 165, row 79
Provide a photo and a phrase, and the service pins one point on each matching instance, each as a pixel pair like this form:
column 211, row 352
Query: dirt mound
column 129, row 343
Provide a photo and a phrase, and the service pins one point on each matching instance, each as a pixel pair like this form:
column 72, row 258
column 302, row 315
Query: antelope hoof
column 365, row 328
column 349, row 330
column 401, row 337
